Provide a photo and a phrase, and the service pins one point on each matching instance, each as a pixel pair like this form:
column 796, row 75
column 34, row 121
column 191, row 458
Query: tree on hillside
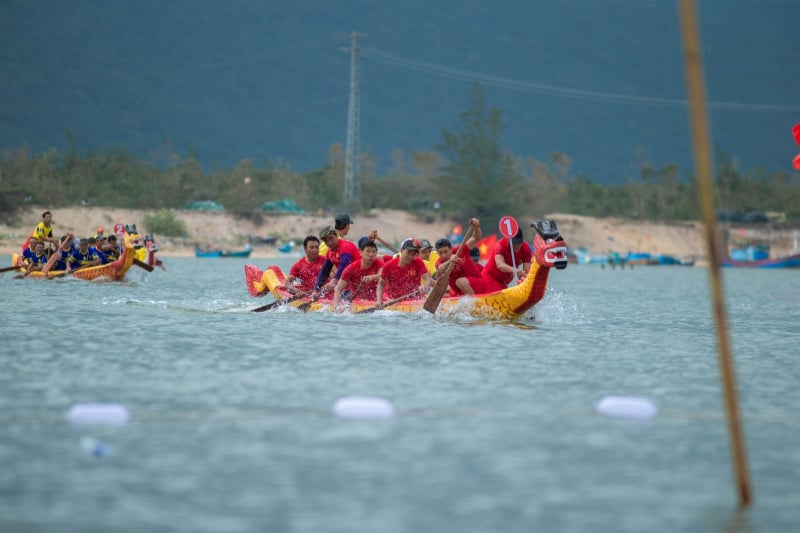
column 479, row 177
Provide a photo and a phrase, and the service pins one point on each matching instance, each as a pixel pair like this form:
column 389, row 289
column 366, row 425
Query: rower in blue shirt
column 82, row 257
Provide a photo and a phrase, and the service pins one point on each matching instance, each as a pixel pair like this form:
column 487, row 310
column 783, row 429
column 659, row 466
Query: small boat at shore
column 508, row 304
column 790, row 261
column 757, row 256
column 201, row 252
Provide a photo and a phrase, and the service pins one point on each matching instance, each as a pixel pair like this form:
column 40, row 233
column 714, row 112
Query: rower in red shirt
column 403, row 274
column 340, row 254
column 465, row 276
column 303, row 274
column 360, row 279
column 499, row 270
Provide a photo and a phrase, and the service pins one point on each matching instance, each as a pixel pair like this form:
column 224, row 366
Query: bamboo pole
column 693, row 64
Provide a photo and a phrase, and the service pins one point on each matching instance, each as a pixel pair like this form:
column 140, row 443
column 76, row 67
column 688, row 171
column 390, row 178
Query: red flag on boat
column 486, row 245
column 796, row 133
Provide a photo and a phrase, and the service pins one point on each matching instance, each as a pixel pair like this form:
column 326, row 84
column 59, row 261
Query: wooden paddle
column 57, row 254
column 387, row 304
column 276, row 303
column 305, row 305
column 386, row 244
column 443, row 280
column 142, row 264
column 9, row 269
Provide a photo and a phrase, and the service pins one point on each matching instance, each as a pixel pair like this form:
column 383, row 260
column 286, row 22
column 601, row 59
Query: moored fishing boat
column 201, row 252
column 511, row 303
column 790, row 261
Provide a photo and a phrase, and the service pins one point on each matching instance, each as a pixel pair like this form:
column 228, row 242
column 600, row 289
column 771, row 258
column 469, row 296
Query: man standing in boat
column 304, row 272
column 465, row 277
column 340, row 254
column 404, row 274
column 44, row 229
column 499, row 271
column 360, row 278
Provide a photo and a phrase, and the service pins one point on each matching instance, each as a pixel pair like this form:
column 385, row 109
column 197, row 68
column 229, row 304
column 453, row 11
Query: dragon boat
column 114, row 271
column 550, row 251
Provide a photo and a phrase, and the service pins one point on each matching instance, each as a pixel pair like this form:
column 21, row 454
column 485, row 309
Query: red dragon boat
column 550, row 251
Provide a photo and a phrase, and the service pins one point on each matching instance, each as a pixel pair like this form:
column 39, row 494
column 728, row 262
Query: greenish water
column 495, row 430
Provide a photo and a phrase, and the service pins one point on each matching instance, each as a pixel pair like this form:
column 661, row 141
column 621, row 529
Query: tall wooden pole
column 693, row 64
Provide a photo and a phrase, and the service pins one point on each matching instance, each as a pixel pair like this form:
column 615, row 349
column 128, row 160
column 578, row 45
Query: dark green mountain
column 601, row 81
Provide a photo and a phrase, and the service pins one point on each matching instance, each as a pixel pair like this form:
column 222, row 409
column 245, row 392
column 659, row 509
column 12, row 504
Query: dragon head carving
column 549, row 248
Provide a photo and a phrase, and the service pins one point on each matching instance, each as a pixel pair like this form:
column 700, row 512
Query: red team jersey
column 402, row 280
column 344, row 247
column 499, row 280
column 353, row 275
column 307, row 273
column 465, row 267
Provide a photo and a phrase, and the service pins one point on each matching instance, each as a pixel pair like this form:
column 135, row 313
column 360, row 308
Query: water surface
column 495, row 430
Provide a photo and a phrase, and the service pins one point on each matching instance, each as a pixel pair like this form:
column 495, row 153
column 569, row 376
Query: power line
column 554, row 90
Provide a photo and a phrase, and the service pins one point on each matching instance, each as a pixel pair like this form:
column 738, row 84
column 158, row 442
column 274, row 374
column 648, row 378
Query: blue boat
column 790, row 261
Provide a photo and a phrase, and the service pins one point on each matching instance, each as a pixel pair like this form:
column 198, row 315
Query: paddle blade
column 143, row 265
column 435, row 296
column 796, row 133
column 276, row 303
column 9, row 269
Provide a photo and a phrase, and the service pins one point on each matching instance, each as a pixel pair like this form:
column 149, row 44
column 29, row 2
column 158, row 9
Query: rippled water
column 495, row 428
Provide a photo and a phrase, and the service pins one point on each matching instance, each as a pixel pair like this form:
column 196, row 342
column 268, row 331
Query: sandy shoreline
column 598, row 235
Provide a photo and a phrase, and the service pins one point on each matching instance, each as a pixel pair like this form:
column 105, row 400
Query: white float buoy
column 626, row 407
column 113, row 414
column 363, row 407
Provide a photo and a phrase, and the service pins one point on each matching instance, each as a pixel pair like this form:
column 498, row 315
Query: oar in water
column 9, row 269
column 443, row 279
column 142, row 264
column 276, row 303
column 384, row 305
column 306, row 305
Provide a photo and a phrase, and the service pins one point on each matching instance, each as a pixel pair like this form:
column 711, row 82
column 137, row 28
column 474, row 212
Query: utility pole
column 352, row 180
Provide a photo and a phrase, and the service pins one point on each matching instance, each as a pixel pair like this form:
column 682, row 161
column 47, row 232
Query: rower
column 304, row 272
column 403, row 274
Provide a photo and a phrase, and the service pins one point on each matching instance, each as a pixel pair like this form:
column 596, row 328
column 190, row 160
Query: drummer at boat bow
column 340, row 254
column 303, row 274
column 404, row 274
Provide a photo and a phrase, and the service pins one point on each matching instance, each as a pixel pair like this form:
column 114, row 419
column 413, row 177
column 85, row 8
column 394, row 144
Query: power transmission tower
column 352, row 181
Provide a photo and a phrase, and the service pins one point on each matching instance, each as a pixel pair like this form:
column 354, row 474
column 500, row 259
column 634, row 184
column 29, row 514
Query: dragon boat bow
column 550, row 251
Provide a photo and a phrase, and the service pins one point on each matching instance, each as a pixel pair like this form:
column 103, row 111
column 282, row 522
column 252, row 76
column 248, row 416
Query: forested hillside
column 216, row 83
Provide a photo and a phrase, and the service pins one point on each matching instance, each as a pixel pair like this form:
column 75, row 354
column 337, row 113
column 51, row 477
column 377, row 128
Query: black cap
column 426, row 244
column 518, row 238
column 410, row 244
column 343, row 219
column 443, row 242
